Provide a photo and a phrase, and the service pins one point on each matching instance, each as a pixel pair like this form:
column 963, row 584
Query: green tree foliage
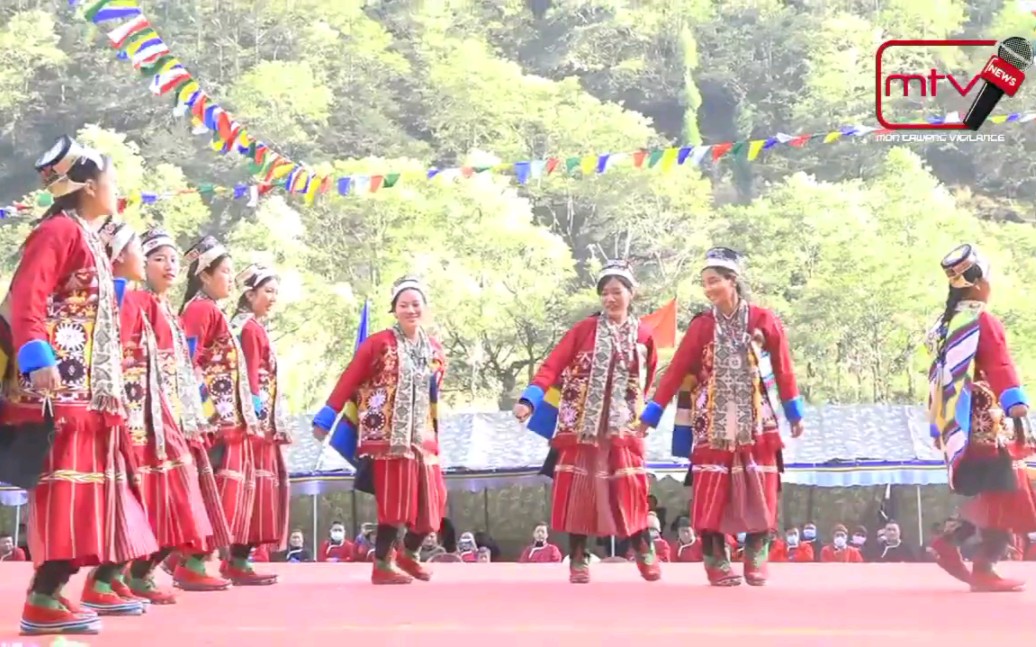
column 843, row 240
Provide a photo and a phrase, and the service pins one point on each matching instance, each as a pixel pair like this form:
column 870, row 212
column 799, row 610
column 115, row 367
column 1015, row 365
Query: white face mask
column 793, row 540
column 741, row 537
column 809, row 533
column 839, row 541
column 337, row 535
column 1032, row 536
column 859, row 540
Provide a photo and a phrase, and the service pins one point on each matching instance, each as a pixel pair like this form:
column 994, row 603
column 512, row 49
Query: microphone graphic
column 1001, row 75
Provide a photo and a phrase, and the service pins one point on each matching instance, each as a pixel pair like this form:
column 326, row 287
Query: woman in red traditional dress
column 166, row 471
column 272, row 489
column 726, row 410
column 585, row 399
column 63, row 323
column 180, row 385
column 389, row 428
column 217, row 354
column 973, row 371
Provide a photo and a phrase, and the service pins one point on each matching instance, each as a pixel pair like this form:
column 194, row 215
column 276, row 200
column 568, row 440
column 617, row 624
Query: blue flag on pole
column 343, row 438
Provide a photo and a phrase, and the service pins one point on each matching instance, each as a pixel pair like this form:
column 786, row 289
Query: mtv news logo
column 920, row 92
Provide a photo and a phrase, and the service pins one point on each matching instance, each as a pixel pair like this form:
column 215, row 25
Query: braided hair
column 953, row 299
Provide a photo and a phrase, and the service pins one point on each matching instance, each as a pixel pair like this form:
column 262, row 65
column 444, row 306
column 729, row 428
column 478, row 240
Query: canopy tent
column 844, row 446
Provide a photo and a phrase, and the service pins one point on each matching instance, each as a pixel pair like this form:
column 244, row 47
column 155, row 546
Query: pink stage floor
column 521, row 605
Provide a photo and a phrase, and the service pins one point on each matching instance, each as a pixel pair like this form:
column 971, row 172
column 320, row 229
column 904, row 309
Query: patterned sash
column 193, row 419
column 244, row 393
column 949, row 387
column 412, row 404
column 611, row 342
column 279, row 421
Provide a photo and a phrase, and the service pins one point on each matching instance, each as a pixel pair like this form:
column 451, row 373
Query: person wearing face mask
column 584, row 400
column 978, row 414
column 793, row 549
column 686, row 548
column 860, row 543
column 810, row 536
column 336, row 548
column 389, row 431
column 540, row 551
column 839, row 549
column 259, row 289
column 467, row 549
column 727, row 420
column 364, row 544
column 167, row 477
column 217, row 356
column 61, row 363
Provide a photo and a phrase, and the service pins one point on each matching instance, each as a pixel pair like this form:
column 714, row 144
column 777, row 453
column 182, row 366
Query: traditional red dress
column 180, row 384
column 585, row 399
column 168, row 477
column 736, row 440
column 273, row 488
column 62, row 312
column 389, row 405
column 218, row 356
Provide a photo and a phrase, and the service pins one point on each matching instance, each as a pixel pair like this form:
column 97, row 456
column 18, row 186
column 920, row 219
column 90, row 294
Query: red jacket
column 847, row 555
column 344, row 552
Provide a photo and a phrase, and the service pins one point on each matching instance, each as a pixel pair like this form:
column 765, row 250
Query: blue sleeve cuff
column 1012, row 396
column 933, row 431
column 794, row 409
column 533, row 395
column 192, row 346
column 120, row 290
column 652, row 414
column 35, row 355
column 325, row 418
column 257, row 404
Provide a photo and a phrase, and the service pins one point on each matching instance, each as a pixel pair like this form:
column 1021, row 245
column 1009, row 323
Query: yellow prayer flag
column 281, row 171
column 754, row 148
column 668, row 159
column 832, row 136
column 187, row 91
column 588, row 164
column 314, row 187
column 998, row 119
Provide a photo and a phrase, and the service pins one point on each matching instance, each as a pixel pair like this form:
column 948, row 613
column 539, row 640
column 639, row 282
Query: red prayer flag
column 663, row 325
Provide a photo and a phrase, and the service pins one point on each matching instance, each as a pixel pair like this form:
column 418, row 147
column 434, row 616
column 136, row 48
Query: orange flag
column 663, row 325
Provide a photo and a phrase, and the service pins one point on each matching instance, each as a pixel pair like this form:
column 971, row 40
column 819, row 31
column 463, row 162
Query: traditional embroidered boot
column 579, row 569
column 647, row 560
column 717, row 560
column 757, row 554
column 190, row 575
column 99, row 595
column 408, row 557
column 983, row 578
column 46, row 615
column 385, row 572
column 238, row 569
column 947, row 550
column 139, row 578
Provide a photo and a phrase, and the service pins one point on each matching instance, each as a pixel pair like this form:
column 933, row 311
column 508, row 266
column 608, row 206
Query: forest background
column 842, row 239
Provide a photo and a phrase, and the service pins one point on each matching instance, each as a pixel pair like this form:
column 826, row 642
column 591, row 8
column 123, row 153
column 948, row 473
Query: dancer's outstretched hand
column 1018, row 411
column 319, row 433
column 797, row 429
column 522, row 411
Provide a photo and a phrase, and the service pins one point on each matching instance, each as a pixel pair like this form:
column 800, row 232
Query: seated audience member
column 485, row 556
column 430, row 548
column 296, row 551
column 686, row 548
column 467, row 547
column 839, row 549
column 11, row 553
column 447, row 535
column 791, row 549
column 811, row 537
column 336, row 548
column 659, row 511
column 893, row 548
column 540, row 551
column 363, row 547
column 862, row 543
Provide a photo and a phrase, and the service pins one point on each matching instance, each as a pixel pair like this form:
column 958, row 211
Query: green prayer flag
column 390, row 180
